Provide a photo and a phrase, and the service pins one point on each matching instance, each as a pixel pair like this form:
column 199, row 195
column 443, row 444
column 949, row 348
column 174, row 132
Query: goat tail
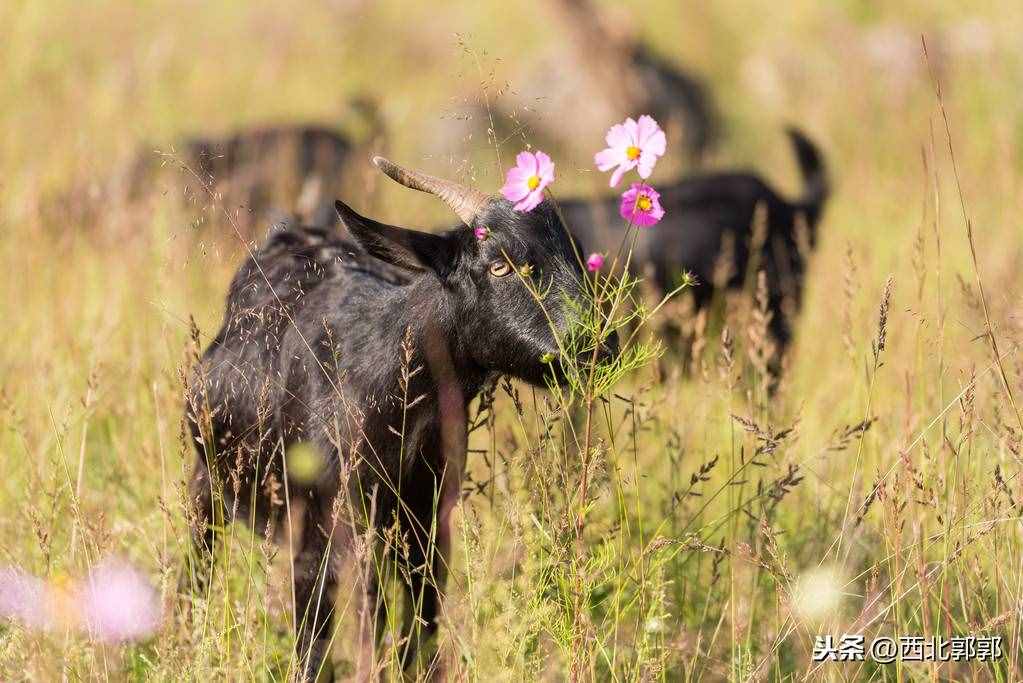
column 816, row 186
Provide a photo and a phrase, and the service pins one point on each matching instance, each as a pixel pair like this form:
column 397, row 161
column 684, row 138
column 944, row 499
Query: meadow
column 727, row 523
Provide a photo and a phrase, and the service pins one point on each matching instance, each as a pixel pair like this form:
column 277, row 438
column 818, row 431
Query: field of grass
column 876, row 491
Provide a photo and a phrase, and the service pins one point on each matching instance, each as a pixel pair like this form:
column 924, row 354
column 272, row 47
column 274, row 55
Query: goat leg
column 430, row 548
column 315, row 580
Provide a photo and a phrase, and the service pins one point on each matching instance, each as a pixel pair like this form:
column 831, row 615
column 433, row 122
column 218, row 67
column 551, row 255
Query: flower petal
column 515, row 187
column 609, row 158
column 515, row 178
column 643, row 220
column 657, row 143
column 646, row 164
column 517, row 174
column 646, row 128
column 627, row 208
column 527, row 162
column 513, row 192
column 530, row 201
column 632, row 129
column 544, row 169
column 618, row 137
column 627, row 165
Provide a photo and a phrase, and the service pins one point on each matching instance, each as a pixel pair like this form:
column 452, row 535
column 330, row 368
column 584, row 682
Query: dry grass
column 886, row 459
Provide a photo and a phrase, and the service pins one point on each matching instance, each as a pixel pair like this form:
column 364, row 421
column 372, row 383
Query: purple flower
column 525, row 182
column 481, row 233
column 632, row 145
column 595, row 262
column 641, row 205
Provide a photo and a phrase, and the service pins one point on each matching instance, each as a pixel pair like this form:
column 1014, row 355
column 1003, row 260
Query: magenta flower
column 632, row 145
column 595, row 262
column 525, row 182
column 481, row 233
column 641, row 205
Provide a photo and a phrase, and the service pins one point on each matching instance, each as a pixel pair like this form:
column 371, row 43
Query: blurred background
column 112, row 248
column 90, row 89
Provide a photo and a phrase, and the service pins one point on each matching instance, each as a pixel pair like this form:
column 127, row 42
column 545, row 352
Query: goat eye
column 500, row 268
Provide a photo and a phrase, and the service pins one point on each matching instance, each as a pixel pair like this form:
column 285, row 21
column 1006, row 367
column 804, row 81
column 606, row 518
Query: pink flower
column 641, row 204
column 525, row 182
column 114, row 604
column 632, row 145
column 595, row 262
column 118, row 603
column 481, row 233
column 23, row 597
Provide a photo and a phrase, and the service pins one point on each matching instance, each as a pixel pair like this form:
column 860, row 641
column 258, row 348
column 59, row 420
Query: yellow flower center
column 533, row 182
column 643, row 203
column 632, row 152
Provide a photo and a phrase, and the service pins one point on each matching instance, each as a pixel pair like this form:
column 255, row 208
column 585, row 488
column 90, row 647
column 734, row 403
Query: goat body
column 367, row 354
column 310, row 353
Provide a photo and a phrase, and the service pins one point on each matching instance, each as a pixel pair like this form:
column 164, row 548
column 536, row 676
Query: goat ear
column 409, row 249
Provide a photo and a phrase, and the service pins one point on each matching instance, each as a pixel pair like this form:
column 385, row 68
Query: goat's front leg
column 315, row 580
column 427, row 525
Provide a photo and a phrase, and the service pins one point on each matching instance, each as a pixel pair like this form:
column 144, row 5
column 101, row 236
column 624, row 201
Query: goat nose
column 609, row 347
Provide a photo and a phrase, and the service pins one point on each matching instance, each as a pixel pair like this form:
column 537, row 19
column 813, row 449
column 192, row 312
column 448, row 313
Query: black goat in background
column 711, row 221
column 252, row 174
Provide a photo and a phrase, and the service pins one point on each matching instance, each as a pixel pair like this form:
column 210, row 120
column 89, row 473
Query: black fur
column 311, row 351
column 701, row 210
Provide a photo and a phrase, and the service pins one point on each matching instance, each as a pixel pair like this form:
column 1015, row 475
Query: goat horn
column 465, row 201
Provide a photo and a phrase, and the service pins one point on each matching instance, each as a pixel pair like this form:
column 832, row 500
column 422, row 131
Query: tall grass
column 699, row 524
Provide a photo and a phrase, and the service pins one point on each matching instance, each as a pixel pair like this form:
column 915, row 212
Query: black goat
column 710, row 218
column 322, row 344
column 600, row 62
column 624, row 71
column 253, row 174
